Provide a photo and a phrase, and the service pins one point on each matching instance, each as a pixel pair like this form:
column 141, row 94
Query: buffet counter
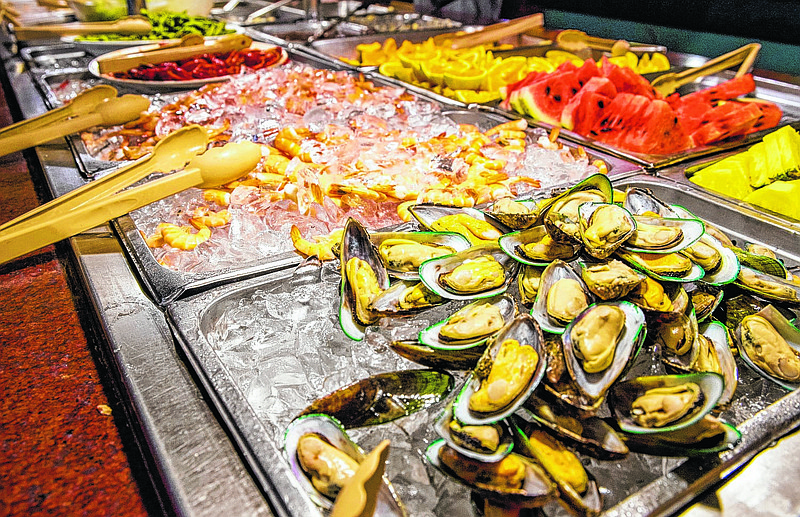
column 105, row 411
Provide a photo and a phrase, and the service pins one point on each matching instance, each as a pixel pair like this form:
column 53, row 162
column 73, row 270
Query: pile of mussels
column 598, row 273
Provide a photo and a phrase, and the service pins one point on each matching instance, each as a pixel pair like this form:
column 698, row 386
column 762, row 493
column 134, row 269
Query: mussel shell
column 526, row 331
column 651, row 444
column 441, row 426
column 415, row 351
column 585, row 212
column 623, row 394
column 512, row 242
column 609, row 292
column 792, row 290
column 553, row 273
column 678, row 297
column 720, row 339
column 333, row 432
column 729, row 266
column 528, row 274
column 388, row 302
column 430, row 335
column 537, row 490
column 679, row 362
column 516, row 221
column 449, row 239
column 427, row 214
column 705, row 311
column 595, row 385
column 788, row 331
column 640, row 200
column 760, row 263
column 383, row 397
column 588, row 503
column 692, row 230
column 597, row 182
column 431, row 270
column 356, row 244
column 596, row 439
column 694, row 274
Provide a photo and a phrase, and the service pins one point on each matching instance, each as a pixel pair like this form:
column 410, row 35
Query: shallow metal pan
column 765, row 413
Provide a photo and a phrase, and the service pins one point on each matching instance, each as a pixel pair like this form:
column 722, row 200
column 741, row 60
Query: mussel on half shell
column 535, row 247
column 513, row 481
column 363, row 278
column 708, row 436
column 510, row 369
column 440, row 358
column 517, row 215
column 562, row 295
column 489, row 443
column 479, row 272
column 604, row 227
column 471, row 223
column 561, row 216
column 471, row 325
column 323, row 458
column 611, row 279
column 403, row 252
column 667, row 267
column 605, row 340
column 771, row 346
column 660, row 235
column 664, row 403
column 768, row 286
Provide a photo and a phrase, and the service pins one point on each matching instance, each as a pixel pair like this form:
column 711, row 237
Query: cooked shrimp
column 203, row 216
column 322, row 248
column 181, row 237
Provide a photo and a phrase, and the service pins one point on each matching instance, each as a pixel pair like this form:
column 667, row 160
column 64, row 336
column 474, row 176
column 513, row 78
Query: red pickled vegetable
column 205, row 66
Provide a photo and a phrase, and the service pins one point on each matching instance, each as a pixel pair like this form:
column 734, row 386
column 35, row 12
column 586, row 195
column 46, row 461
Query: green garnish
column 168, row 26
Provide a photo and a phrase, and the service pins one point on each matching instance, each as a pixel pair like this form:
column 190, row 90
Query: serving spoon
column 127, row 26
column 81, row 104
column 110, row 112
column 215, row 167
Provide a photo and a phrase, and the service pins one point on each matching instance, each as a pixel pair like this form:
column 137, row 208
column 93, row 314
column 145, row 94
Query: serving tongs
column 107, row 197
column 744, row 57
column 359, row 495
column 129, row 25
column 492, row 33
column 153, row 56
column 575, row 41
column 97, row 106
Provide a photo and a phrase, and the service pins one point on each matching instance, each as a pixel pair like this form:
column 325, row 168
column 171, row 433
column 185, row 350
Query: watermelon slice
column 624, row 113
column 545, row 98
column 582, row 110
column 658, row 133
column 731, row 89
column 627, row 81
column 588, row 71
column 724, row 121
column 771, row 115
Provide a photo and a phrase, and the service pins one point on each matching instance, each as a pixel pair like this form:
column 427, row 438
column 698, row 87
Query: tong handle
column 129, row 25
column 744, row 56
column 123, row 63
column 111, row 112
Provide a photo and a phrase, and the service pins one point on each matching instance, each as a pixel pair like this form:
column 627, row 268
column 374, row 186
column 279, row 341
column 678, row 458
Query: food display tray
column 165, row 284
column 54, row 57
column 262, row 368
column 785, row 95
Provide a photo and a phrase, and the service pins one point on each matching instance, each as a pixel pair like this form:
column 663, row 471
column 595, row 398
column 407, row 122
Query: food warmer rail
column 183, row 434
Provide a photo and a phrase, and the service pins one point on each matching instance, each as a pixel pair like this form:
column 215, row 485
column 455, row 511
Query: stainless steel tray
column 785, row 95
column 54, row 57
column 166, row 285
column 266, row 347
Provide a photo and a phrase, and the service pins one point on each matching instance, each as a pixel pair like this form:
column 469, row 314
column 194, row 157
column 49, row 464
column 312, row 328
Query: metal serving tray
column 785, row 95
column 164, row 284
column 55, row 57
column 266, row 347
column 678, row 174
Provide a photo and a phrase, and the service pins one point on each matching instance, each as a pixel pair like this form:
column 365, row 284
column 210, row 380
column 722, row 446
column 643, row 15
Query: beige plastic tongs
column 107, row 197
column 121, row 63
column 98, row 106
column 575, row 41
column 493, row 32
column 744, row 56
column 129, row 25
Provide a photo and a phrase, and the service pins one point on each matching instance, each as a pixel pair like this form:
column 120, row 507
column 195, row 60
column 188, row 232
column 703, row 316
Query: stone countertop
column 61, row 452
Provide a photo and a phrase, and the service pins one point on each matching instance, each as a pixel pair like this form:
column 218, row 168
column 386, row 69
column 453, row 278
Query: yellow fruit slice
column 660, row 61
column 471, row 97
column 432, row 72
column 468, row 80
column 540, row 64
column 559, row 56
column 507, row 71
column 396, row 69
